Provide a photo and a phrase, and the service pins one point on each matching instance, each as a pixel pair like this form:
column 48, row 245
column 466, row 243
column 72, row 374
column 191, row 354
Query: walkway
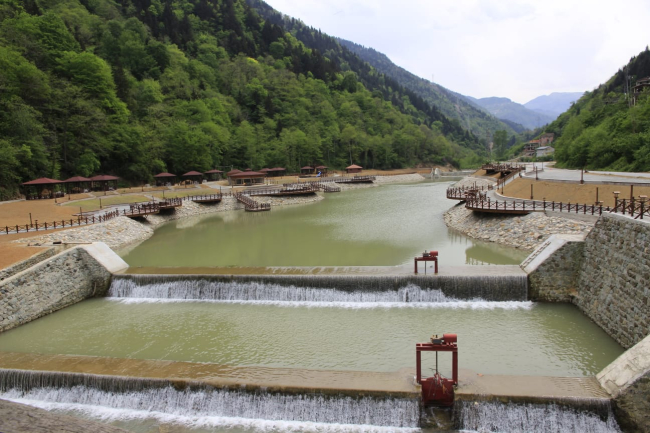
column 530, row 389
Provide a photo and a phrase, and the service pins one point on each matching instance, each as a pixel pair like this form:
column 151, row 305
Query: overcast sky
column 517, row 49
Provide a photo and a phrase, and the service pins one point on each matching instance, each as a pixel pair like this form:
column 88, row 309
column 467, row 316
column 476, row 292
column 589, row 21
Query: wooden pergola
column 194, row 176
column 41, row 186
column 104, row 182
column 276, row 171
column 214, row 174
column 164, row 178
column 77, row 184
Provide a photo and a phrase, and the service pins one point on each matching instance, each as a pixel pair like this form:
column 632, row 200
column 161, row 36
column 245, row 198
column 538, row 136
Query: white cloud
column 514, row 48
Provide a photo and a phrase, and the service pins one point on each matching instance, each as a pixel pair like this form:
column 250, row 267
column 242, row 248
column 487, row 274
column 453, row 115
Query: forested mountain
column 451, row 104
column 554, row 104
column 608, row 128
column 505, row 109
column 372, row 79
column 136, row 87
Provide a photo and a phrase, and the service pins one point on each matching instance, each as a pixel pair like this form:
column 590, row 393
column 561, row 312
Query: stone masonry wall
column 553, row 268
column 614, row 281
column 27, row 263
column 58, row 282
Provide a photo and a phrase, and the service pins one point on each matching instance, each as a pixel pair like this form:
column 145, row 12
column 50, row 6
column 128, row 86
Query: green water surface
column 381, row 226
column 534, row 339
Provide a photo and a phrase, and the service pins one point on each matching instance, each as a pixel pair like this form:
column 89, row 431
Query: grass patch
column 93, row 204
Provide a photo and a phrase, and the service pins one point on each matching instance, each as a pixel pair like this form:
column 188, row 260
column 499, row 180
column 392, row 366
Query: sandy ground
column 568, row 192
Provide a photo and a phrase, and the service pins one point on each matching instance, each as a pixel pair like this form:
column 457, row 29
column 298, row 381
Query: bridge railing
column 461, row 192
column 487, row 205
column 250, row 204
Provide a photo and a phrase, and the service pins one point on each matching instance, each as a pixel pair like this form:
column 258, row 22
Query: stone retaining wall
column 614, row 281
column 553, row 268
column 27, row 263
column 56, row 283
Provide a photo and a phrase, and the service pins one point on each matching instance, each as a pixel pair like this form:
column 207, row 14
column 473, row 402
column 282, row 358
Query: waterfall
column 532, row 418
column 316, row 288
column 139, row 398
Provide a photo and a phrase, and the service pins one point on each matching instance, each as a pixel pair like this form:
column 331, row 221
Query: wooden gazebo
column 163, row 179
column 276, row 171
column 193, row 176
column 307, row 170
column 214, row 174
column 104, row 182
column 321, row 170
column 77, row 184
column 44, row 187
column 353, row 169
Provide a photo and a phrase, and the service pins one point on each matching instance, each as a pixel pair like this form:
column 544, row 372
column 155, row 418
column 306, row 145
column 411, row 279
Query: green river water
column 494, row 338
column 382, row 226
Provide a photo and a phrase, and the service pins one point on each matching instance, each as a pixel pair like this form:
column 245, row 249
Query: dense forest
column 136, row 87
column 453, row 105
column 608, row 128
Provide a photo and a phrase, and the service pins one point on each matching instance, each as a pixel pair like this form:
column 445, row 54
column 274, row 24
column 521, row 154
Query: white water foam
column 476, row 304
column 219, row 408
column 410, row 296
column 531, row 418
column 106, row 414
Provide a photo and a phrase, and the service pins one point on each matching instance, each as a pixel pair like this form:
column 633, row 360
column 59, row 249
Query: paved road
column 552, row 173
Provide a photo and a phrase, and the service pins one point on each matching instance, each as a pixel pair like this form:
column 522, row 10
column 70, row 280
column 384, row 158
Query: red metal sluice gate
column 438, row 390
column 426, row 257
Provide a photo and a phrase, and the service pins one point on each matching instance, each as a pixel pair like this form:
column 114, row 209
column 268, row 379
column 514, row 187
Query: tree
column 500, row 144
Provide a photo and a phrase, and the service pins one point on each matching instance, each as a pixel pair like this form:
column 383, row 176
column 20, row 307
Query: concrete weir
column 351, row 285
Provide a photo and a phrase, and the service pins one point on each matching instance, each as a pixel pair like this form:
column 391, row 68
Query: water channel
column 382, row 226
column 513, row 337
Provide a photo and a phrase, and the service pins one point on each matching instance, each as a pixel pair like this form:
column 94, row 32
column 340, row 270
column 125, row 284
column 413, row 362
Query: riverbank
column 524, row 232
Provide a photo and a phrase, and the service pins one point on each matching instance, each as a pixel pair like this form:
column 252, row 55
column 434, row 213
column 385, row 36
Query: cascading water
column 533, row 418
column 116, row 397
column 321, row 288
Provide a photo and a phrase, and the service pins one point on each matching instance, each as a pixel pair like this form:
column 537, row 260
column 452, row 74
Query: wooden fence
column 79, row 221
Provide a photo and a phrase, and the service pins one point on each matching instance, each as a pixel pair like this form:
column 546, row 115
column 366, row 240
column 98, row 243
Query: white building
column 545, row 150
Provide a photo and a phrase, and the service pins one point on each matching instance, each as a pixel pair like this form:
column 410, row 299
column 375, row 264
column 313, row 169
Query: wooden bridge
column 207, row 198
column 504, row 169
column 142, row 210
column 476, row 199
column 289, row 189
column 355, row 179
column 251, row 205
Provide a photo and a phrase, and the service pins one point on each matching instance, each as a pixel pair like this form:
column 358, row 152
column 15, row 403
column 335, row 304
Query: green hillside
column 451, row 104
column 136, row 87
column 608, row 128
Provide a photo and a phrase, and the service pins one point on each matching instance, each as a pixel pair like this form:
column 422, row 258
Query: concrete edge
column 625, row 370
column 106, row 257
column 547, row 249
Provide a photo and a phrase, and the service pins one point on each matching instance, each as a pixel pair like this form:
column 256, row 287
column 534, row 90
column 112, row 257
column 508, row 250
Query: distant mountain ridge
column 554, row 104
column 454, row 105
column 504, row 108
